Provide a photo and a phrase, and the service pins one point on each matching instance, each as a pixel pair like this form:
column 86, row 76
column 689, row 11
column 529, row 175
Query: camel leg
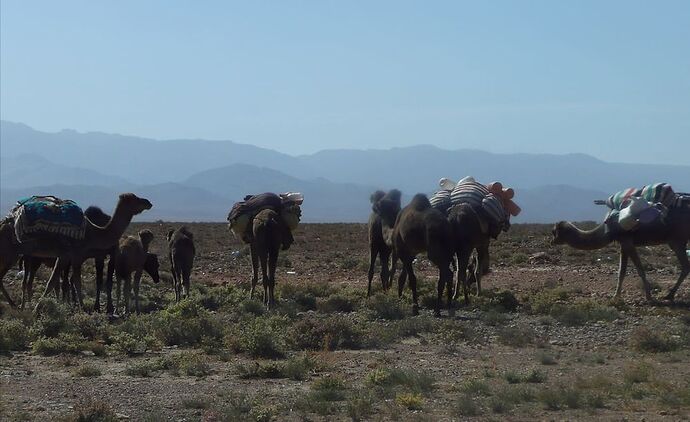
column 622, row 269
column 684, row 262
column 255, row 268
column 109, row 308
column 137, row 283
column 100, row 263
column 7, row 262
column 640, row 271
column 127, row 291
column 118, row 292
column 263, row 258
column 76, row 281
column 54, row 278
column 186, row 273
column 272, row 263
column 372, row 263
column 413, row 285
column 30, row 266
column 384, row 256
column 482, row 265
column 463, row 260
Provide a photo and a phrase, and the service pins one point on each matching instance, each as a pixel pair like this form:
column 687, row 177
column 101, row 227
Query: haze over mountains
column 198, row 180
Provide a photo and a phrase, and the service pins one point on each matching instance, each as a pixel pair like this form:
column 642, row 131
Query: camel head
column 560, row 231
column 376, row 196
column 146, row 237
column 388, row 207
column 133, row 204
column 151, row 267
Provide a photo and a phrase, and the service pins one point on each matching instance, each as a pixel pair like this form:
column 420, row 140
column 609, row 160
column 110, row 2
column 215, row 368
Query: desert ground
column 544, row 342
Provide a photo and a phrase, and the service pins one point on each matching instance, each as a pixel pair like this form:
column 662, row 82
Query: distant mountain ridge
column 199, row 180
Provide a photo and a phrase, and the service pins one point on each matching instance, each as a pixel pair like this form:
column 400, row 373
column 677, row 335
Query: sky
column 606, row 78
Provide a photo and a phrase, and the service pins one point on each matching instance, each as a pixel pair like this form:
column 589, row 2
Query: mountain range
column 199, row 180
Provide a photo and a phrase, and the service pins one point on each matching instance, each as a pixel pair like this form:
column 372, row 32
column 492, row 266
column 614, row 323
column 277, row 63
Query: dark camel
column 181, row 253
column 675, row 232
column 470, row 231
column 72, row 254
column 32, row 264
column 267, row 230
column 380, row 233
column 133, row 257
column 420, row 228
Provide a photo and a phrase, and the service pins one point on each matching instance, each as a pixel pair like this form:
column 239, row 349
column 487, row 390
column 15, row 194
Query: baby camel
column 181, row 253
column 133, row 257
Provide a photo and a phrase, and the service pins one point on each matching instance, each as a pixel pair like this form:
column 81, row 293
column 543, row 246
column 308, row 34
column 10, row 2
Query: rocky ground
column 545, row 342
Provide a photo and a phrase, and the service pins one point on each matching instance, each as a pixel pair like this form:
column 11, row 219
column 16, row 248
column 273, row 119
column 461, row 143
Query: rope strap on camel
column 40, row 215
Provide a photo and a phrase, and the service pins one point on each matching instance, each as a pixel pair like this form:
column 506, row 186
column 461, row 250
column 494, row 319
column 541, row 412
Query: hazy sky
column 606, row 78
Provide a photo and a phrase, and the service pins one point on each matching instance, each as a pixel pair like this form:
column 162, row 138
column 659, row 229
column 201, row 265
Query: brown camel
column 380, row 233
column 74, row 253
column 133, row 257
column 675, row 232
column 32, row 264
column 420, row 228
column 181, row 253
column 267, row 229
column 470, row 231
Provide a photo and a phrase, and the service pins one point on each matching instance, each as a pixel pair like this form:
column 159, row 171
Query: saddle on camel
column 287, row 205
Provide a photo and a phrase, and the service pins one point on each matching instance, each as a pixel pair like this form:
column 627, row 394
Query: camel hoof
column 671, row 296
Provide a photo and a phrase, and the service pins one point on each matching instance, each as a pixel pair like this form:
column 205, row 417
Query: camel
column 268, row 231
column 46, row 245
column 470, row 232
column 31, row 265
column 380, row 233
column 675, row 232
column 419, row 228
column 181, row 253
column 133, row 257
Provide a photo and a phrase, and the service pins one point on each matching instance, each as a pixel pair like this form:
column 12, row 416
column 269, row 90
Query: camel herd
column 395, row 233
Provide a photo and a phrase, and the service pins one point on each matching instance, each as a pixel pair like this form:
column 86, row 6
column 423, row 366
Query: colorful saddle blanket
column 48, row 215
column 658, row 193
column 474, row 194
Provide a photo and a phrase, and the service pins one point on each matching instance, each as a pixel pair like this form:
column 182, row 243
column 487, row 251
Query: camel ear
column 169, row 235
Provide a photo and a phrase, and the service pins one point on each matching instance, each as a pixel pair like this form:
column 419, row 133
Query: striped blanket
column 48, row 215
column 658, row 193
column 475, row 194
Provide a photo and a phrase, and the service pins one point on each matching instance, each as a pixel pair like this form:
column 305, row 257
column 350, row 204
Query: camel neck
column 110, row 234
column 588, row 239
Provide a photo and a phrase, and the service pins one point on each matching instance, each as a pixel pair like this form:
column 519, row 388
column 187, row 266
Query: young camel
column 72, row 254
column 267, row 229
column 181, row 253
column 420, row 228
column 675, row 232
column 133, row 257
column 380, row 233
column 470, row 232
column 32, row 264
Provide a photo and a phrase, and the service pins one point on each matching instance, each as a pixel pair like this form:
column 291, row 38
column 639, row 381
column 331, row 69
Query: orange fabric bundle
column 506, row 196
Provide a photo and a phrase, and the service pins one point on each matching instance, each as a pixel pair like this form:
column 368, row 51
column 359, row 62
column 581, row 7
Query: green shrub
column 90, row 326
column 330, row 333
column 647, row 340
column 92, row 411
column 518, row 336
column 50, row 319
column 467, row 406
column 185, row 324
column 476, row 387
column 328, row 389
column 13, row 335
column 410, row 401
column 383, row 306
column 336, row 303
column 582, row 312
column 359, row 406
column 64, row 343
column 263, row 337
column 637, row 373
column 386, row 382
column 88, row 371
column 194, row 364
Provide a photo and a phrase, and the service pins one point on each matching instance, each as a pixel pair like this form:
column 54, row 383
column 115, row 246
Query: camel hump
column 376, row 196
column 420, row 202
column 97, row 216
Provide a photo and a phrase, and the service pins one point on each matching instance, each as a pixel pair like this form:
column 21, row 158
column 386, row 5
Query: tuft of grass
column 383, row 306
column 64, row 343
column 196, row 403
column 329, row 333
column 637, row 373
column 518, row 336
column 411, row 401
column 360, row 406
column 88, row 371
column 644, row 339
column 583, row 312
column 467, row 406
column 328, row 389
column 387, row 382
column 476, row 387
column 546, row 358
column 92, row 411
column 193, row 364
column 13, row 335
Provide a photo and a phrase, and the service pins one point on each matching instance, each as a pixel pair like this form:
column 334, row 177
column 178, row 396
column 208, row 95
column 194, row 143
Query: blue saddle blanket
column 48, row 215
